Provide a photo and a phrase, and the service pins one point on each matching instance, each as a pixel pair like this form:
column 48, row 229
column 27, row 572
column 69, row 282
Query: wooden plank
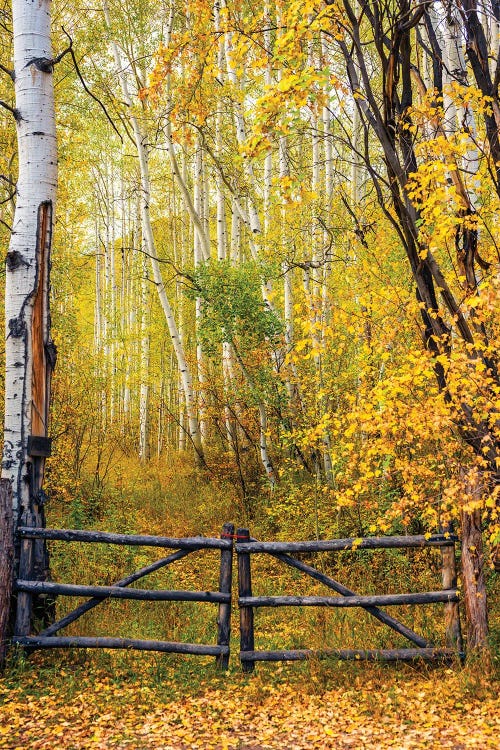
column 6, row 564
column 246, row 610
column 451, row 610
column 332, row 545
column 429, row 597
column 225, row 585
column 76, row 613
column 134, row 540
column 115, row 592
column 24, row 606
column 344, row 591
column 403, row 654
column 37, row 642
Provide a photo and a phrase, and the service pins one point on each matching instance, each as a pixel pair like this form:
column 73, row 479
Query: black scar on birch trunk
column 42, row 364
column 44, row 355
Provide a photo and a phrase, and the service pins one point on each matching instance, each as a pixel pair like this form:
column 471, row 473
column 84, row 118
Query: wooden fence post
column 6, row 564
column 451, row 609
column 24, row 606
column 246, row 613
column 225, row 583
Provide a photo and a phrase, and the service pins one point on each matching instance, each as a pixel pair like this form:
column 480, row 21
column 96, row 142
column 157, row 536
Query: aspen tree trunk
column 98, row 297
column 221, row 210
column 29, row 351
column 180, row 256
column 144, row 388
column 455, row 64
column 222, row 249
column 235, row 231
column 199, row 201
column 317, row 275
column 142, row 153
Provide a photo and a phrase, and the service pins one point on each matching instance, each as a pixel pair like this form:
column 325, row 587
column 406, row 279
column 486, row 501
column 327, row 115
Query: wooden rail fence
column 27, row 588
column 245, row 547
column 247, row 602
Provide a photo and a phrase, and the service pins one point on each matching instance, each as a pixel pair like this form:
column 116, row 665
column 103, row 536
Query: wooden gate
column 27, row 588
column 246, row 547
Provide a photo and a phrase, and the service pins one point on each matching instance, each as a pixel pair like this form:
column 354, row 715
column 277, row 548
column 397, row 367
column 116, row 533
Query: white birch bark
column 98, row 296
column 199, row 201
column 144, row 387
column 184, row 369
column 27, row 377
column 457, row 70
column 235, row 231
column 221, row 211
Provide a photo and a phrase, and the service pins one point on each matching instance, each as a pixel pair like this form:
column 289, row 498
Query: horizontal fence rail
column 129, row 540
column 336, row 545
column 348, row 654
column 117, row 592
column 383, row 600
column 246, row 546
column 27, row 588
column 173, row 647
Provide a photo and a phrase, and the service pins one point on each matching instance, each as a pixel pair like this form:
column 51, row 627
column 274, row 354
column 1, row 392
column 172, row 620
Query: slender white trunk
column 98, row 299
column 184, row 370
column 219, row 124
column 455, row 64
column 263, row 447
column 29, row 352
column 144, row 388
column 235, row 232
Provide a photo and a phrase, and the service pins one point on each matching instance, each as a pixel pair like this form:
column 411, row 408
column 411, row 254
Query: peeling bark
column 476, row 610
column 30, row 353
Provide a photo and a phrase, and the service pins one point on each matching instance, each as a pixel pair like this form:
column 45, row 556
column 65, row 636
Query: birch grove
column 290, row 214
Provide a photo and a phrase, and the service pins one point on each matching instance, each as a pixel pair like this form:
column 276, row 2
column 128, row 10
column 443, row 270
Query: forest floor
column 140, row 702
column 76, row 700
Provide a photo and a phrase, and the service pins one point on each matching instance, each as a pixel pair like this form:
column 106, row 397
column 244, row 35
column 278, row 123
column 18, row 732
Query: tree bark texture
column 6, row 564
column 476, row 611
column 29, row 351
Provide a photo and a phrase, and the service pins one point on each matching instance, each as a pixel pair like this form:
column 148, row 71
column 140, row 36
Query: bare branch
column 82, row 81
column 12, row 110
column 9, row 72
column 6, row 225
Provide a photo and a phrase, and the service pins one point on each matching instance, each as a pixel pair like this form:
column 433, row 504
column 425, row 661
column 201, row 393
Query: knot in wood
column 17, row 327
column 44, row 64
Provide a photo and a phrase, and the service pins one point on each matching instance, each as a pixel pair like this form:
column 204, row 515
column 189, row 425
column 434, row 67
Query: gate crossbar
column 246, row 546
column 379, row 614
column 27, row 588
column 76, row 613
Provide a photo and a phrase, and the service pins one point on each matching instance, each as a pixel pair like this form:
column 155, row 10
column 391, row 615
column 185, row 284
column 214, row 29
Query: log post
column 24, row 606
column 453, row 630
column 6, row 564
column 225, row 585
column 246, row 612
column 472, row 559
column 476, row 610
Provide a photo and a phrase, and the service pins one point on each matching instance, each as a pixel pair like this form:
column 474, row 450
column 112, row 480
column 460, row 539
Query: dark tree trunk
column 476, row 610
column 6, row 564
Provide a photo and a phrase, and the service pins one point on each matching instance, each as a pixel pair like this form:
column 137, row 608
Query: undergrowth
column 182, row 501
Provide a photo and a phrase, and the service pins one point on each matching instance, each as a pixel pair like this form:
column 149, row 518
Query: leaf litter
column 405, row 710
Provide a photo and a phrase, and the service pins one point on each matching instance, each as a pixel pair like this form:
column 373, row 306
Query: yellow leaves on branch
column 393, row 438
